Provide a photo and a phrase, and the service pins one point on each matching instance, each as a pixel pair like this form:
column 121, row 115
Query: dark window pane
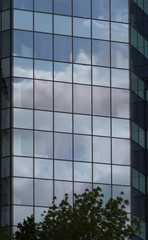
column 100, row 9
column 63, row 7
column 43, row 5
column 5, row 4
column 82, row 50
column 6, row 44
column 23, row 4
column 82, row 8
column 5, row 93
column 43, row 46
column 62, row 48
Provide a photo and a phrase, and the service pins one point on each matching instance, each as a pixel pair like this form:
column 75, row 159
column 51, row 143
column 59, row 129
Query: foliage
column 88, row 219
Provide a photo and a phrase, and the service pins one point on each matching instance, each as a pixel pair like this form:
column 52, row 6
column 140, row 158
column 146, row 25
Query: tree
column 88, row 219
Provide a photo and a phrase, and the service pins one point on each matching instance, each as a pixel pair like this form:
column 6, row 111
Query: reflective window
column 120, row 55
column 101, row 53
column 100, row 29
column 43, row 46
column 20, row 213
column 63, row 170
column 24, row 197
column 43, row 5
column 5, row 67
column 5, row 167
column 43, row 22
column 121, row 175
column 43, row 120
column 81, row 74
column 82, row 50
column 43, row 144
column 82, row 99
column 119, row 32
column 5, row 216
column 43, row 69
column 23, row 20
column 102, row 173
column 43, row 188
column 23, row 167
column 120, row 103
column 23, row 43
column 101, row 101
column 101, row 76
column 22, row 92
column 63, row 7
column 120, row 78
column 62, row 48
column 120, row 128
column 22, row 118
column 101, row 150
column 82, row 124
column 100, row 9
column 106, row 190
column 82, row 148
column 5, row 142
column 5, row 191
column 5, row 118
column 43, row 95
column 63, row 97
column 61, row 188
column 79, row 188
column 62, row 25
column 43, row 168
column 121, row 154
column 62, row 122
column 63, row 72
column 5, row 93
column 119, row 10
column 5, row 20
column 6, row 43
column 23, row 142
column 82, row 8
column 63, row 146
column 83, row 172
column 23, row 4
column 127, row 195
column 5, row 4
column 101, row 126
column 23, row 67
column 81, row 27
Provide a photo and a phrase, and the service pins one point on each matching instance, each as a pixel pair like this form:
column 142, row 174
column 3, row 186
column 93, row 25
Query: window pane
column 119, row 10
column 43, row 144
column 23, row 67
column 120, row 103
column 81, row 74
column 101, row 101
column 23, row 142
column 43, row 168
column 81, row 27
column 62, row 122
column 5, row 67
column 63, row 170
column 21, row 213
column 120, row 78
column 82, row 50
column 43, row 5
column 63, row 7
column 100, row 9
column 23, row 167
column 101, row 76
column 43, row 95
column 100, row 53
column 127, row 195
column 22, row 92
column 44, row 120
column 82, row 124
column 101, row 126
column 61, row 188
column 83, row 172
column 120, row 128
column 120, row 55
column 82, row 99
column 81, row 8
column 23, row 4
column 63, row 72
column 119, row 32
column 121, row 175
column 23, row 20
column 43, row 188
column 82, row 148
column 121, row 154
column 43, row 46
column 102, row 173
column 43, row 70
column 62, row 48
column 23, row 43
column 43, row 22
column 63, row 146
column 5, row 44
column 101, row 150
column 22, row 118
column 62, row 25
column 100, row 29
column 5, row 20
column 63, row 97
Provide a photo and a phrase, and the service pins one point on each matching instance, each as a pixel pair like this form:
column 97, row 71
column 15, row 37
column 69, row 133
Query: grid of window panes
column 71, row 125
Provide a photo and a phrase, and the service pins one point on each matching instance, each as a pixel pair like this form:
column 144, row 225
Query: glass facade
column 66, row 102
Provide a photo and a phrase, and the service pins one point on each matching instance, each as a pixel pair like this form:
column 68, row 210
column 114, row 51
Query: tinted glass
column 120, row 50
column 101, row 150
column 120, row 78
column 101, row 53
column 23, row 67
column 6, row 44
column 63, row 170
column 43, row 46
column 101, row 76
column 62, row 48
column 120, row 103
column 43, row 70
column 63, row 7
column 81, row 74
column 121, row 175
column 43, row 144
column 60, row 189
column 43, row 5
column 119, row 32
column 82, row 50
column 43, row 120
column 100, row 9
column 23, row 4
column 23, row 20
column 82, row 148
column 43, row 188
column 102, row 173
column 81, row 27
column 83, row 172
column 82, row 8
column 63, row 146
column 5, row 20
column 62, row 25
column 100, row 29
column 121, row 155
column 119, row 10
column 43, row 22
column 101, row 101
column 20, row 213
column 43, row 168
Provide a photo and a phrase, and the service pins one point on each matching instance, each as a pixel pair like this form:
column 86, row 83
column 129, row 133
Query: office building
column 73, row 103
